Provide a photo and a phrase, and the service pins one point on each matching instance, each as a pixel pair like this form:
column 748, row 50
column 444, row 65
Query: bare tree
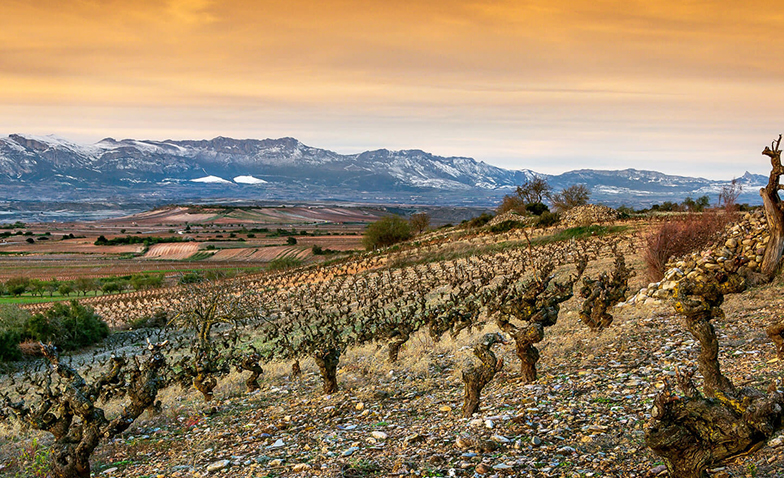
column 535, row 190
column 695, row 430
column 513, row 203
column 571, row 197
column 729, row 194
column 420, row 222
column 774, row 211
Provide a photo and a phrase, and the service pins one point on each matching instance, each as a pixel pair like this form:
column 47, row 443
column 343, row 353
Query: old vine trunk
column 773, row 211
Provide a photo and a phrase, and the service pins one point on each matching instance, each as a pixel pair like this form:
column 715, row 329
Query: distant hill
column 35, row 168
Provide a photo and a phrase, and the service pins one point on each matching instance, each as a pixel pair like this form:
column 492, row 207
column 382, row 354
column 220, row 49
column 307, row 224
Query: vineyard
column 462, row 352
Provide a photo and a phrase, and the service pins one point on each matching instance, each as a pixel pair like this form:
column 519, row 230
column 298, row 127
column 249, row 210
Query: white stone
column 217, row 465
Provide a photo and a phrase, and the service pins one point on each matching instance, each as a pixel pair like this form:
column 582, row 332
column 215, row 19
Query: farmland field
column 206, row 238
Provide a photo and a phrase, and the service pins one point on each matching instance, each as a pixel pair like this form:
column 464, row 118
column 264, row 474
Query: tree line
column 16, row 286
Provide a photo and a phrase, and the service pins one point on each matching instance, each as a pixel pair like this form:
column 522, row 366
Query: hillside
column 585, row 415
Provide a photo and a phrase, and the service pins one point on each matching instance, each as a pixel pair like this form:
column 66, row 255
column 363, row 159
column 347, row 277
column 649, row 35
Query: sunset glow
column 691, row 87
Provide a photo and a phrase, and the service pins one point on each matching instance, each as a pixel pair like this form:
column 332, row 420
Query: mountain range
column 48, row 168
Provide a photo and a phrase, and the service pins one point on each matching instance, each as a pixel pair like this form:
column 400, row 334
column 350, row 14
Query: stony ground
column 585, row 416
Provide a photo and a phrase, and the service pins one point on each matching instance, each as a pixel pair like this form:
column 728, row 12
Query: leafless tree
column 774, row 211
column 534, row 190
column 420, row 222
column 571, row 197
column 729, row 194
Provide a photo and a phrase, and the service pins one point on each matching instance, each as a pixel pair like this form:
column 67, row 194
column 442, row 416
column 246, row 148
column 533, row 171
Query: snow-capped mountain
column 286, row 160
column 51, row 168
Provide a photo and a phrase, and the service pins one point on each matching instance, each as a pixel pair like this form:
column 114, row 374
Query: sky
column 684, row 87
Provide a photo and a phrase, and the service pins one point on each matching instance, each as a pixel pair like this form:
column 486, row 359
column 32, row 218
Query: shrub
column 68, row 326
column 547, row 219
column 157, row 320
column 317, row 250
column 537, row 208
column 679, row 236
column 479, row 220
column 192, row 277
column 9, row 345
column 12, row 322
column 386, row 232
column 291, row 240
column 506, row 226
column 283, row 263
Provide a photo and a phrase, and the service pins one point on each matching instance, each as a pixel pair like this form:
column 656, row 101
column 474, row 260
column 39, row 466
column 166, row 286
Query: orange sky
column 685, row 87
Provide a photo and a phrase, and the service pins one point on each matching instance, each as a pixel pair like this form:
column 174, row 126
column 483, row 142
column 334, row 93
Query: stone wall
column 745, row 239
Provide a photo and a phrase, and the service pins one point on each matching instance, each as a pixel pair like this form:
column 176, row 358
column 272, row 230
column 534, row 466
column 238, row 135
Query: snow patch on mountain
column 249, row 180
column 211, row 179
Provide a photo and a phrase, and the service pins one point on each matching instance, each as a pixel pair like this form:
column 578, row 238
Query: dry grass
column 679, row 236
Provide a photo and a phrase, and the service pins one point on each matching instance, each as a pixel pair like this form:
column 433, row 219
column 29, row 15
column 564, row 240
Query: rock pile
column 511, row 216
column 745, row 239
column 587, row 215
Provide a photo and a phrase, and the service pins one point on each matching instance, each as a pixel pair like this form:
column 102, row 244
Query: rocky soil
column 584, row 417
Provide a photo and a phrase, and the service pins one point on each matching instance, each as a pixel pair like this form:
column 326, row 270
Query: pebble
column 275, row 462
column 300, row 467
column 379, row 435
column 657, row 470
column 218, row 465
column 350, row 451
column 482, row 468
column 109, row 471
column 536, row 441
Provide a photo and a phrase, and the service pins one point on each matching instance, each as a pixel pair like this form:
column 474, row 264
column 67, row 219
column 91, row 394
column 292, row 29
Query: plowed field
column 176, row 251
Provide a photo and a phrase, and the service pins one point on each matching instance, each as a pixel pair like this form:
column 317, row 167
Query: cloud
column 498, row 79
